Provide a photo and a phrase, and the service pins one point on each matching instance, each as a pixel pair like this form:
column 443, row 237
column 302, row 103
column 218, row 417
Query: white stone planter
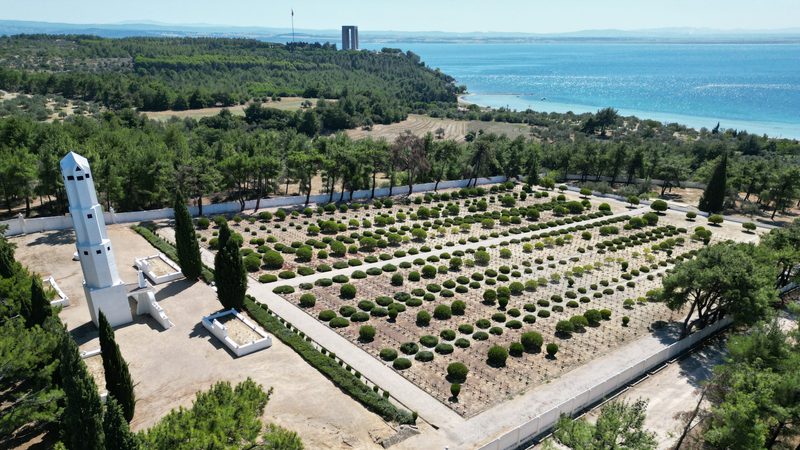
column 61, row 297
column 158, row 268
column 257, row 338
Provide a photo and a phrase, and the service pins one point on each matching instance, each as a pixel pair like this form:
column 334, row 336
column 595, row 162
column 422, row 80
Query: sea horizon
column 747, row 87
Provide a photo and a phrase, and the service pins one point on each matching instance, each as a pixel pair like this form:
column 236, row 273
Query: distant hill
column 155, row 29
column 178, row 73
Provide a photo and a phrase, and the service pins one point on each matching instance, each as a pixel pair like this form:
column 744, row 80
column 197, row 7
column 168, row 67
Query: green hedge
column 345, row 380
column 169, row 250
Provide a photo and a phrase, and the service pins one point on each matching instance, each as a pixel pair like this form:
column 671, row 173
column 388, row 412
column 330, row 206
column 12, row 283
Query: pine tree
column 186, row 241
column 230, row 275
column 82, row 420
column 713, row 198
column 118, row 378
column 115, row 428
column 40, row 305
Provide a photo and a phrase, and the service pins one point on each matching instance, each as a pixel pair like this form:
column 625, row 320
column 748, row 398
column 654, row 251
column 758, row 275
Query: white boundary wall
column 20, row 225
column 547, row 419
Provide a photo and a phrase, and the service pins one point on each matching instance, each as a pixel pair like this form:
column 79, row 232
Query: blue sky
column 532, row 16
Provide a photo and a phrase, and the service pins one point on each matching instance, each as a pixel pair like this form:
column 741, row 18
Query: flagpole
column 292, row 25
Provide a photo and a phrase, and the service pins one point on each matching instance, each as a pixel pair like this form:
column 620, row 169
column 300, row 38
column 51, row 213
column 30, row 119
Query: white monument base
column 245, row 339
column 113, row 300
column 146, row 304
column 158, row 268
column 61, row 298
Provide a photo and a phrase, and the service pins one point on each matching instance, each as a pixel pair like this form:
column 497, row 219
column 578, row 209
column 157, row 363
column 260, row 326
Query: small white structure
column 61, row 297
column 158, row 268
column 102, row 285
column 237, row 332
column 146, row 302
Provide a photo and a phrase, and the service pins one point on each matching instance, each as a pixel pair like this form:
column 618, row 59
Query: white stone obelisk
column 101, row 283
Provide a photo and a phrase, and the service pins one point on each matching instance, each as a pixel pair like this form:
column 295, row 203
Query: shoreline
column 777, row 130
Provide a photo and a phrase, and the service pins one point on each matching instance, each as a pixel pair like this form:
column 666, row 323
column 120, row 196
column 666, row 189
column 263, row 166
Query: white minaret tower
column 101, row 283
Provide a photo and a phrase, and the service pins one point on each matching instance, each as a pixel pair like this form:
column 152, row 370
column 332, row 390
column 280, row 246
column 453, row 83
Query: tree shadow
column 666, row 332
column 85, row 333
column 174, row 288
column 199, row 331
column 699, row 366
column 58, row 237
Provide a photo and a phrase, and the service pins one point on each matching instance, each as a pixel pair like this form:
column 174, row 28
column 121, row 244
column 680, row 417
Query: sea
column 747, row 86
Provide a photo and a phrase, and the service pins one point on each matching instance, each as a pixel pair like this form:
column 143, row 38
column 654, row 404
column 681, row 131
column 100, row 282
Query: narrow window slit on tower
column 70, row 177
column 80, row 178
column 89, row 216
column 99, row 251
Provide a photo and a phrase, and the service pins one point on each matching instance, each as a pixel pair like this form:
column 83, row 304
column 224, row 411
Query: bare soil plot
column 453, row 129
column 285, row 104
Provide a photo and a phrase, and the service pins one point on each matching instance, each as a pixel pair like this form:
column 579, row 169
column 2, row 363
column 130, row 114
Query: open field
column 453, row 129
column 285, row 104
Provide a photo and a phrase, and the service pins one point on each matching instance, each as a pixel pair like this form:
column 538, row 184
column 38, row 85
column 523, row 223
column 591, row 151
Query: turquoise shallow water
column 744, row 86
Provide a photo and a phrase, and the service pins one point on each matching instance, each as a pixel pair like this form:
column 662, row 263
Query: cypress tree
column 7, row 262
column 224, row 235
column 40, row 308
column 115, row 428
column 186, row 241
column 82, row 420
column 713, row 198
column 118, row 378
column 230, row 275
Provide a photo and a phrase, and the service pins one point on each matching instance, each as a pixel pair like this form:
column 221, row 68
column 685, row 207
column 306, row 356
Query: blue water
column 743, row 86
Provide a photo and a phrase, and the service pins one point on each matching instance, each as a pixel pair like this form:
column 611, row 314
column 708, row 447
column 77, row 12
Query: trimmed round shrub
column 252, row 262
column 409, row 348
column 551, row 349
column 339, row 322
column 366, row 305
column 444, row 349
column 326, row 315
column 429, row 341
column 272, row 260
column 308, row 300
column 347, row 291
column 283, row 290
column 267, row 278
column 543, row 313
column 359, row 316
column 514, row 324
column 458, row 307
column 593, row 316
column 605, row 314
column 366, row 333
column 401, row 363
column 423, row 318
column 388, row 354
column 497, row 356
column 531, row 341
column 424, row 356
column 397, row 279
column 457, row 372
column 447, row 335
column 516, row 349
column 466, row 328
column 347, row 311
column 480, row 336
column 565, row 327
column 625, row 321
column 442, row 312
column 462, row 343
column 286, row 275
